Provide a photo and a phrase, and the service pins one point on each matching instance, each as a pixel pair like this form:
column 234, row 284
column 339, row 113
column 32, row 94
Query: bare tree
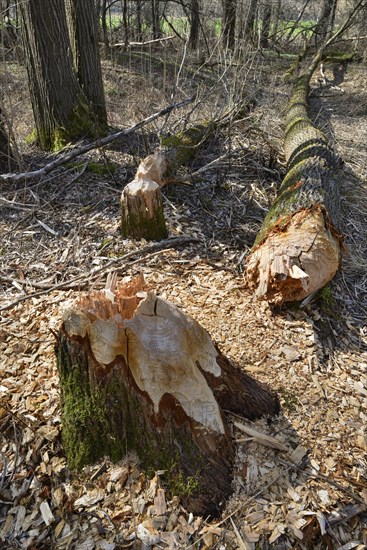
column 248, row 28
column 229, row 22
column 194, row 24
column 61, row 110
column 83, row 29
column 326, row 20
column 265, row 25
column 5, row 148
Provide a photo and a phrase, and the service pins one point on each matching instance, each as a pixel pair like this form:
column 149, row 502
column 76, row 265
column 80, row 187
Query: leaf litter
column 300, row 479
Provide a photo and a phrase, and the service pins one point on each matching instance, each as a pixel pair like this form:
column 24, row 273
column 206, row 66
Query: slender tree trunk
column 248, row 30
column 155, row 19
column 125, row 21
column 106, row 41
column 83, row 30
column 326, row 21
column 6, row 156
column 265, row 25
column 62, row 112
column 194, row 25
column 276, row 17
column 138, row 21
column 229, row 23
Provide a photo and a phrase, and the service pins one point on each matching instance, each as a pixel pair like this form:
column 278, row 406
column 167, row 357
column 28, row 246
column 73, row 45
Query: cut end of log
column 294, row 262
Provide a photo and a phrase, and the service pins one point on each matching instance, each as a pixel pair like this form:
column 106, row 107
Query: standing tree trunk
column 83, row 31
column 62, row 113
column 125, row 22
column 229, row 23
column 194, row 24
column 265, row 25
column 106, row 41
column 6, row 156
column 326, row 21
column 155, row 19
column 137, row 374
column 248, row 29
column 138, row 21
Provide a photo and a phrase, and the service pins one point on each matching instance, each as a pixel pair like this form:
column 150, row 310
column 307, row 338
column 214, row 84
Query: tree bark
column 83, row 31
column 194, row 24
column 180, row 147
column 6, row 155
column 106, row 41
column 229, row 23
column 265, row 25
column 326, row 21
column 248, row 31
column 298, row 248
column 61, row 111
column 142, row 214
column 136, row 374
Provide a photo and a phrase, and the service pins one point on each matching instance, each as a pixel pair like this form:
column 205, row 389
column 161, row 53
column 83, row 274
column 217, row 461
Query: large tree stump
column 137, row 374
column 298, row 248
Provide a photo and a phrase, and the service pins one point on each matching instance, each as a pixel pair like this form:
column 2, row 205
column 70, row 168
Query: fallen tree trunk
column 298, row 248
column 137, row 374
column 141, row 200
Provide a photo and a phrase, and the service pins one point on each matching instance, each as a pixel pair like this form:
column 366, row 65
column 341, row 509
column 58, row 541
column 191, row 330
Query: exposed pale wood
column 141, row 201
column 262, row 438
column 293, row 263
column 136, row 373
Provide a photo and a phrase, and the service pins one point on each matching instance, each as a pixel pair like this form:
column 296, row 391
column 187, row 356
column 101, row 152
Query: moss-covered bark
column 311, row 180
column 105, row 414
column 62, row 112
column 150, row 380
column 180, row 147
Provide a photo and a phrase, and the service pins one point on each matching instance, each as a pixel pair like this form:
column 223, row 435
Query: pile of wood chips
column 300, row 479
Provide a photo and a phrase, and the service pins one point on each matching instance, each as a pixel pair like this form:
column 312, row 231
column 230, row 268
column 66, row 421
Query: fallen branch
column 101, row 142
column 148, row 251
column 146, row 43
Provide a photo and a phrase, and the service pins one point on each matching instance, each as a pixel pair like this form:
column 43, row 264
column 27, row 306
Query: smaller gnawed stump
column 142, row 215
column 137, row 374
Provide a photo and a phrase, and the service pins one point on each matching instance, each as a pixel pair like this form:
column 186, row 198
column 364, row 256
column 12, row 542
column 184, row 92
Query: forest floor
column 65, row 226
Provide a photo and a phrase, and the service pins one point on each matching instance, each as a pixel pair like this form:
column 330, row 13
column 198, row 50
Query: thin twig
column 327, row 479
column 147, row 251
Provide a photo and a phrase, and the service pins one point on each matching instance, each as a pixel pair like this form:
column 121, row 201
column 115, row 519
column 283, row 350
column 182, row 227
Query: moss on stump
column 142, row 214
column 136, row 374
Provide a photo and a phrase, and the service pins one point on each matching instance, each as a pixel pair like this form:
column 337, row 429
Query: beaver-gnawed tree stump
column 142, row 214
column 138, row 374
